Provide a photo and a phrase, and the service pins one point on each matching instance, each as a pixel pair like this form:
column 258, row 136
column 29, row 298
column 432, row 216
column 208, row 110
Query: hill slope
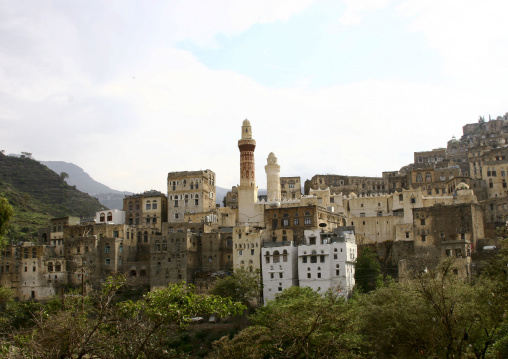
column 110, row 198
column 37, row 194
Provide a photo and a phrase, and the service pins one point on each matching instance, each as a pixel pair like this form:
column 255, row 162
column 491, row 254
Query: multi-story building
column 291, row 187
column 146, row 210
column 347, row 184
column 190, row 192
column 327, row 260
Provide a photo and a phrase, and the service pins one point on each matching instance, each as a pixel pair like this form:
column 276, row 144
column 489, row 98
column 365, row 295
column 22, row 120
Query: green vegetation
column 38, row 194
column 6, row 213
column 242, row 286
column 367, row 271
column 432, row 315
column 96, row 326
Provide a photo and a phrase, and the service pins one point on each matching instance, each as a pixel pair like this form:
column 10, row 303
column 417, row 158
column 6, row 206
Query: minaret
column 272, row 170
column 247, row 191
column 247, row 145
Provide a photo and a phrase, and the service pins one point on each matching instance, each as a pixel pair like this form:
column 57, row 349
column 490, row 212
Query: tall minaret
column 247, row 145
column 272, row 170
column 247, row 191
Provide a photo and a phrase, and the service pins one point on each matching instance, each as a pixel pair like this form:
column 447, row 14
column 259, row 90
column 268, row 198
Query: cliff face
column 37, row 194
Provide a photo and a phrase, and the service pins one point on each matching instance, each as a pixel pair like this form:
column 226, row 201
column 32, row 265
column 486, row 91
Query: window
column 58, row 267
column 154, row 205
column 285, row 222
column 148, row 205
column 102, row 217
column 307, row 221
column 422, row 222
column 106, row 248
column 313, row 259
column 164, row 245
column 424, row 238
column 34, row 253
column 296, row 221
column 413, row 200
column 304, row 259
column 281, row 275
column 252, row 252
column 176, row 203
column 419, row 177
column 108, row 261
column 110, row 216
column 145, row 237
column 276, row 257
column 428, row 177
column 240, row 252
column 120, row 248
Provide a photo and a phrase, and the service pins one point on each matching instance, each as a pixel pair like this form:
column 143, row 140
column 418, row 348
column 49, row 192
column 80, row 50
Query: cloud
column 102, row 85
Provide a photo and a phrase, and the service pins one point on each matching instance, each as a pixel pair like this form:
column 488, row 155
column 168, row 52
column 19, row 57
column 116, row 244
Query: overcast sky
column 132, row 90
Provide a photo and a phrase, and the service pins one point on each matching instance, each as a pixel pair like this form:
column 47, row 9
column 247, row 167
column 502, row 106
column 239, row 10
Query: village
column 449, row 202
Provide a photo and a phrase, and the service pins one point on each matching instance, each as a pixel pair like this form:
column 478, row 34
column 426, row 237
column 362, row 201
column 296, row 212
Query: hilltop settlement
column 449, row 202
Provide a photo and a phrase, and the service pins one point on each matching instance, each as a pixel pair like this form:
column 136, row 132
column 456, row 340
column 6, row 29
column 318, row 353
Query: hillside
column 79, row 178
column 107, row 196
column 38, row 194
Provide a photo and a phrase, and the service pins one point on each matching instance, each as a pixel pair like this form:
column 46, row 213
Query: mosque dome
column 246, row 122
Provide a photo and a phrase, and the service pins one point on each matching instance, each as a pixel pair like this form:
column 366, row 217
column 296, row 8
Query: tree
column 96, row 326
column 299, row 323
column 6, row 213
column 64, row 176
column 367, row 270
column 434, row 315
column 241, row 286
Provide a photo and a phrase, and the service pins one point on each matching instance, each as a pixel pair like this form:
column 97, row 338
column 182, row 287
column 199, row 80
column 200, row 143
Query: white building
column 327, row 260
column 279, row 268
column 111, row 216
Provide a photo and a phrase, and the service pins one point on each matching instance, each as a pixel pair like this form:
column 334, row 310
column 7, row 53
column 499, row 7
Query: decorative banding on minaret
column 247, row 145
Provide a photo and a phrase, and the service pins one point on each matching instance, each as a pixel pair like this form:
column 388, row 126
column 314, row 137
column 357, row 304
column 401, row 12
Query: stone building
column 190, row 192
column 291, row 187
column 32, row 271
column 146, row 210
column 347, row 184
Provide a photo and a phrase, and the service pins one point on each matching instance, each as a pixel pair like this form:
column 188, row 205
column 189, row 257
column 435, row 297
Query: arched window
column 419, row 177
column 285, row 255
column 58, row 267
column 145, row 237
column 154, row 204
column 50, row 266
column 110, row 216
column 276, row 257
column 148, row 205
column 428, row 177
column 102, row 217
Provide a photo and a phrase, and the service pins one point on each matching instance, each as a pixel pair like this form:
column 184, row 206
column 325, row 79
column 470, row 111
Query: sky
column 131, row 90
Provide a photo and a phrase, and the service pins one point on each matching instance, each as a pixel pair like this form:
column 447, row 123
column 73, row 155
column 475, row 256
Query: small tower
column 272, row 170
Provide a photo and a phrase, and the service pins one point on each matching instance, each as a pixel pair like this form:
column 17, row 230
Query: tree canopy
column 6, row 213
